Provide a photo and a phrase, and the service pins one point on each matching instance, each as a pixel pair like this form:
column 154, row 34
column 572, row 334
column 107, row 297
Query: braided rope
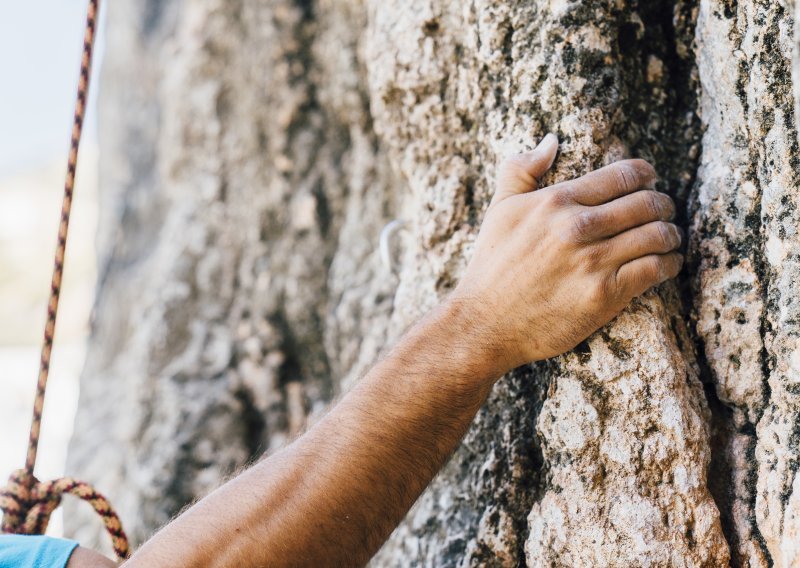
column 26, row 502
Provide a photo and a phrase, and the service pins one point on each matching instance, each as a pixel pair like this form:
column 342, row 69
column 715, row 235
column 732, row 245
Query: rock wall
column 745, row 227
column 246, row 195
column 253, row 152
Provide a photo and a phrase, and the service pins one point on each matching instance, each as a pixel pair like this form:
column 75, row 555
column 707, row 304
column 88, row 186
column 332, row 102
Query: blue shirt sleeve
column 24, row 551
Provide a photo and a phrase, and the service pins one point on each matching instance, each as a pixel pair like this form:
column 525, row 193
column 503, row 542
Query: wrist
column 471, row 339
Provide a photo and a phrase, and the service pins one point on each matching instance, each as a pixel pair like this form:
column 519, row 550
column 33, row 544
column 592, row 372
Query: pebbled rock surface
column 244, row 200
column 253, row 152
column 746, row 247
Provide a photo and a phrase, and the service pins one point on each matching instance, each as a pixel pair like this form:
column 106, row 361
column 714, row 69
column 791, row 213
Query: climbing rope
column 26, row 502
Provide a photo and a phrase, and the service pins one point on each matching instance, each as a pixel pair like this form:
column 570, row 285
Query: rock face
column 254, row 151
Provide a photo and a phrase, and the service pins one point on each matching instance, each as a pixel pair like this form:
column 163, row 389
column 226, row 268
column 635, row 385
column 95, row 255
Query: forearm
column 549, row 268
column 333, row 496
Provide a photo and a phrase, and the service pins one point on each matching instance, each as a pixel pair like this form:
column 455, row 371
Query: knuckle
column 560, row 197
column 622, row 285
column 624, row 176
column 596, row 256
column 665, row 236
column 514, row 167
column 545, row 200
column 602, row 290
column 654, row 203
column 511, row 164
column 582, row 226
column 596, row 293
column 654, row 270
column 631, row 174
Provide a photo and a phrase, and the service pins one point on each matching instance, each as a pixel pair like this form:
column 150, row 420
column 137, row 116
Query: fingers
column 521, row 173
column 611, row 182
column 658, row 237
column 634, row 278
column 625, row 213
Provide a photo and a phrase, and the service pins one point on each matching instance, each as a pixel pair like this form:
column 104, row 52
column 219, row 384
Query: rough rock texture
column 628, row 412
column 746, row 241
column 255, row 150
column 223, row 234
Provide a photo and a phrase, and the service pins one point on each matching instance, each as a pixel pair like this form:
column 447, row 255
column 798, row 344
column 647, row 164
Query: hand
column 554, row 265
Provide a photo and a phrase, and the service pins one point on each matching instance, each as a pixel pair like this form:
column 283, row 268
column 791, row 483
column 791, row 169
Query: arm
column 550, row 267
column 84, row 558
column 334, row 495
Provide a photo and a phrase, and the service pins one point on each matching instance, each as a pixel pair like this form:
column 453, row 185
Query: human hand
column 553, row 265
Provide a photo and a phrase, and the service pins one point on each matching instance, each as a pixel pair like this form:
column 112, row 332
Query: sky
column 40, row 49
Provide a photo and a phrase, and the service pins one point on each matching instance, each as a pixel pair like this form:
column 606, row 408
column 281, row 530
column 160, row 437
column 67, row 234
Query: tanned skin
column 550, row 267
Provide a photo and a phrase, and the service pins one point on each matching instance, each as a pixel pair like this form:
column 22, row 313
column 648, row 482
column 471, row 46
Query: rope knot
column 27, row 508
column 27, row 504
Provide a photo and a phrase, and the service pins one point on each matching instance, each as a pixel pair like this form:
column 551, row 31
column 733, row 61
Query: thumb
column 521, row 173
